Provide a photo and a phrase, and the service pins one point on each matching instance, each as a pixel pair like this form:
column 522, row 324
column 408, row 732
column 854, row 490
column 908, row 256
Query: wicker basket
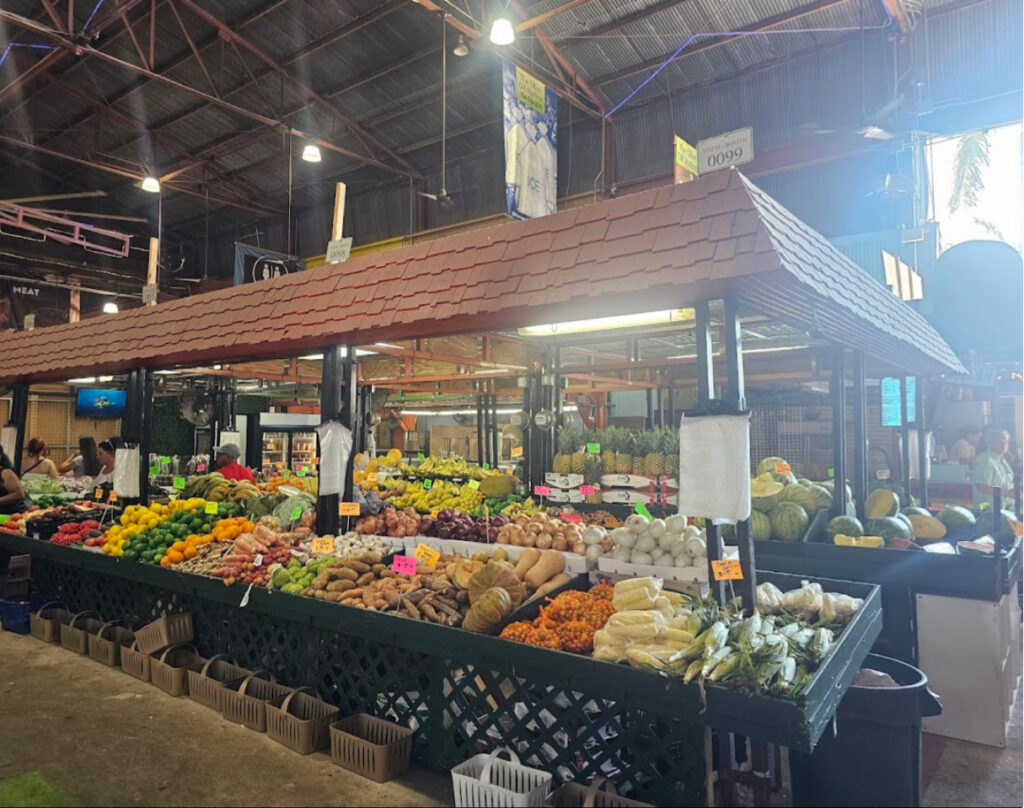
column 135, row 663
column 487, row 780
column 171, row 629
column 74, row 635
column 170, row 670
column 245, row 702
column 206, row 680
column 45, row 623
column 371, row 747
column 600, row 793
column 106, row 644
column 300, row 721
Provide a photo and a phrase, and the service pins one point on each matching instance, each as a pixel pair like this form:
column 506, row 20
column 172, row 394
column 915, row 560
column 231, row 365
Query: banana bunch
column 215, row 487
column 434, row 466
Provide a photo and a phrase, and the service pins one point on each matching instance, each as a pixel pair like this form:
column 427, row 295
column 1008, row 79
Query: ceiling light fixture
column 502, row 32
column 83, row 380
column 311, row 153
column 609, row 323
column 151, row 184
column 110, row 308
column 461, row 49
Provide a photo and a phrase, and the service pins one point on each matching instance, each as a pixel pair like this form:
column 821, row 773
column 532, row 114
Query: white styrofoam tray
column 574, row 564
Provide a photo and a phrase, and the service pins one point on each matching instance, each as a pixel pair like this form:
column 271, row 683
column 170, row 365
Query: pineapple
column 591, row 469
column 654, row 461
column 639, row 452
column 608, row 443
column 624, row 452
column 670, row 446
column 567, row 440
column 579, row 458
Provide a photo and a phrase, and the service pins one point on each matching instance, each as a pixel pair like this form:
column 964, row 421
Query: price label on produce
column 517, row 451
column 586, row 489
column 882, row 474
column 782, row 467
column 486, row 466
column 179, row 483
column 300, row 473
column 258, row 561
column 200, row 467
column 323, row 545
column 426, row 555
column 211, row 507
column 112, row 498
column 593, row 448
column 98, row 495
column 428, row 484
column 296, row 513
column 474, row 485
column 1018, row 528
column 286, row 473
column 348, row 509
column 571, row 517
column 641, row 509
column 541, row 490
column 831, row 473
column 404, row 564
column 727, row 570
column 154, row 470
column 420, row 457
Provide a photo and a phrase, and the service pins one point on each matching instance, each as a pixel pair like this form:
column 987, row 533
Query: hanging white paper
column 126, row 473
column 335, row 448
column 714, row 466
column 8, row 440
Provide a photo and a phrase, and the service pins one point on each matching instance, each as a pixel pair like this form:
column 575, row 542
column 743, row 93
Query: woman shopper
column 106, row 453
column 84, row 464
column 35, row 461
column 12, row 495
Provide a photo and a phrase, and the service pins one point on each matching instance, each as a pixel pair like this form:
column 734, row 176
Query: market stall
column 715, row 238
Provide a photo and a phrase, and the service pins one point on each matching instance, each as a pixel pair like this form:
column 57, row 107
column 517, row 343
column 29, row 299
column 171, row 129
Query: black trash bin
column 874, row 756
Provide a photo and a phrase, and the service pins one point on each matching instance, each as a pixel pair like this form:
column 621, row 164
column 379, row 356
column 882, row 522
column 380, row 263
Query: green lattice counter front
column 463, row 691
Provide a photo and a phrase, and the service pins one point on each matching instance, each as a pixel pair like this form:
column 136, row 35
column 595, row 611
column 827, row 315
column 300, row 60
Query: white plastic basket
column 486, row 780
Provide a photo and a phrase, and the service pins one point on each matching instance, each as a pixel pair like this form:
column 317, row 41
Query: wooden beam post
column 339, row 211
column 154, row 261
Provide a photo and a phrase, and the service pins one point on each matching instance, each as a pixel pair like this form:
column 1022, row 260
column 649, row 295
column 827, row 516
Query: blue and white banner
column 531, row 144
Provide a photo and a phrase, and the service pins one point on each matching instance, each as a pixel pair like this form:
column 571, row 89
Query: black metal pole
column 19, row 418
column 922, row 443
column 904, row 440
column 527, row 448
column 479, row 430
column 145, row 434
column 705, row 394
column 671, row 398
column 837, row 388
column 860, row 437
column 494, row 432
column 330, row 408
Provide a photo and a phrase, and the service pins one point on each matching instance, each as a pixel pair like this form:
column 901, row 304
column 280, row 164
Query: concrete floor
column 105, row 738
column 108, row 739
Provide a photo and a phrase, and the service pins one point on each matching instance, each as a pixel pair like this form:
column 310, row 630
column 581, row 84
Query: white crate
column 626, row 497
column 625, row 481
column 563, row 480
column 694, row 575
column 558, row 495
column 488, row 780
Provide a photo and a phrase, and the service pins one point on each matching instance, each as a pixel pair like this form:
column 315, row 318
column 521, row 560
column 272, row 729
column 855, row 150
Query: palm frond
column 972, row 155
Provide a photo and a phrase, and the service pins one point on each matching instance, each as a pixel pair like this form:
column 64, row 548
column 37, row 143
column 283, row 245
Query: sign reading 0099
column 722, row 151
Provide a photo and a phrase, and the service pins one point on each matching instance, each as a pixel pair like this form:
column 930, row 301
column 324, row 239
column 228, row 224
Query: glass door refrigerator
column 283, row 441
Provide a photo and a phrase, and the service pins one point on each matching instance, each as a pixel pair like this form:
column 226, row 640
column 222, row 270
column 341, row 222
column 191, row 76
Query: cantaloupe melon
column 765, row 494
column 881, row 503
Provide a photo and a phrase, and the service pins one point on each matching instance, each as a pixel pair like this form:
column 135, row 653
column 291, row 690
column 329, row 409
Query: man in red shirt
column 228, row 465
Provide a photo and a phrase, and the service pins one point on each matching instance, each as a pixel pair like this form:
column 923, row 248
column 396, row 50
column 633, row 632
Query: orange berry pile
column 567, row 623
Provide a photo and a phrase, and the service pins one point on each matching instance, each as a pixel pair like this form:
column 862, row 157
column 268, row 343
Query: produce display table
column 926, row 599
column 464, row 692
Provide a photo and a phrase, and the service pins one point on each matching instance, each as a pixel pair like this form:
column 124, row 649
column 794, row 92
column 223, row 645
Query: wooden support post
column 75, row 310
column 154, row 262
column 339, row 211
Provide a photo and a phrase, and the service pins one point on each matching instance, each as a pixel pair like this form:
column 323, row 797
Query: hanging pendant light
column 311, row 153
column 502, row 32
column 151, row 184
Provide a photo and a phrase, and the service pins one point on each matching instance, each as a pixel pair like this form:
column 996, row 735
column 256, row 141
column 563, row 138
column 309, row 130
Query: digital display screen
column 93, row 403
column 892, row 413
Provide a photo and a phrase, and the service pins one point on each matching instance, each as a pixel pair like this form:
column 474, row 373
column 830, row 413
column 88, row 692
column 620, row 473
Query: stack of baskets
column 137, row 658
column 45, row 623
column 207, row 679
column 301, row 721
column 106, row 644
column 245, row 702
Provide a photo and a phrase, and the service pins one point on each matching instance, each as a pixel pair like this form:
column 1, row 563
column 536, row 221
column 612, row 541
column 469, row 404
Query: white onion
column 681, row 561
column 593, row 535
column 656, row 528
column 696, row 546
column 645, row 544
column 621, row 554
column 692, row 531
column 662, row 560
column 637, row 523
column 676, row 523
column 594, row 552
column 666, row 540
column 628, row 539
column 641, row 558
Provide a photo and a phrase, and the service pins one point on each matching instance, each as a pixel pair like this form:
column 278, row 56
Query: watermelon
column 926, row 527
column 760, row 526
column 956, row 518
column 845, row 525
column 789, row 521
column 765, row 494
column 822, row 497
column 905, row 520
column 984, row 521
column 888, row 528
column 767, row 466
column 794, row 492
column 881, row 502
column 912, row 510
column 830, row 486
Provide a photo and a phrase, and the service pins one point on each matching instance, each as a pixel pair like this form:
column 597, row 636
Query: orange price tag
column 782, row 468
column 98, row 494
column 348, row 509
column 113, row 497
column 727, row 570
column 1018, row 528
column 323, row 545
column 426, row 555
column 517, row 451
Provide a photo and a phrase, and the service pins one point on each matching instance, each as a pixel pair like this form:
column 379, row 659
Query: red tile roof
column 666, row 247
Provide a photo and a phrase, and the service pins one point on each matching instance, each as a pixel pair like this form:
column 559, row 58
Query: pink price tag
column 541, row 490
column 572, row 517
column 404, row 564
column 586, row 489
column 200, row 467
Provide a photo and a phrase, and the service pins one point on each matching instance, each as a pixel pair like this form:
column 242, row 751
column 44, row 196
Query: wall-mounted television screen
column 93, row 403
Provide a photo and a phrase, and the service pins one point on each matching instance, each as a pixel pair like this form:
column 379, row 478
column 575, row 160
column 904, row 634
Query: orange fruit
column 165, row 562
column 179, row 546
column 174, row 557
column 190, row 551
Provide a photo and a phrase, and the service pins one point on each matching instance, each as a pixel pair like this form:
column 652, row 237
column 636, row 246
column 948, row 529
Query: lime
column 207, row 527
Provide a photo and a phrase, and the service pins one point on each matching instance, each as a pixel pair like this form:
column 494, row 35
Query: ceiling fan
column 443, row 197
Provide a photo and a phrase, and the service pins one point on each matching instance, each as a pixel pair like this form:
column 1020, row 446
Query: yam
column 333, row 597
column 365, row 578
column 550, row 563
column 357, row 565
column 551, row 584
column 340, row 586
column 342, row 573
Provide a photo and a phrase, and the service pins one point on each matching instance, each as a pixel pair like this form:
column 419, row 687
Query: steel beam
column 860, row 436
column 837, row 390
column 40, row 67
column 540, row 19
